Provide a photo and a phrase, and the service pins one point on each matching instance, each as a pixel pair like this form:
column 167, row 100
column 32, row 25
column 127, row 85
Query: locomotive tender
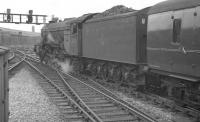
column 156, row 49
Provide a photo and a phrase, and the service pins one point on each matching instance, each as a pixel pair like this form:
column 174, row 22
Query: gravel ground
column 28, row 102
column 162, row 114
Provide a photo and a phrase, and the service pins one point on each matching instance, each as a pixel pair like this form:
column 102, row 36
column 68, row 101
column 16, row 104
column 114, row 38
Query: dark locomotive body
column 52, row 41
column 154, row 50
column 118, row 45
column 116, row 38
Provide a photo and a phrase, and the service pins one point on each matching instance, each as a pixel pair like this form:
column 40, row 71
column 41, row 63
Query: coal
column 119, row 9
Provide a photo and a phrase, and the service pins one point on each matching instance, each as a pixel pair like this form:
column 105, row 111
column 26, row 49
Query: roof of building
column 25, row 33
column 3, row 50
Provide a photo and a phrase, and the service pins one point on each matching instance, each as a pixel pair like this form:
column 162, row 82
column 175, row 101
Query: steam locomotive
column 156, row 49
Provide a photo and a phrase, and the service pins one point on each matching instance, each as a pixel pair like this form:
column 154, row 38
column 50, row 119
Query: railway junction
column 41, row 93
column 119, row 65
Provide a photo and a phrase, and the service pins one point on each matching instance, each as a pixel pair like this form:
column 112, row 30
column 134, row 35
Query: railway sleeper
column 79, row 87
column 83, row 90
column 105, row 110
column 91, row 98
column 62, row 87
column 45, row 83
column 62, row 103
column 65, row 108
column 51, row 90
column 97, row 102
column 101, row 105
column 73, row 117
column 55, row 95
column 62, row 97
column 91, row 95
column 88, row 93
column 60, row 100
column 116, row 113
column 46, row 87
column 121, row 118
column 70, row 112
column 58, row 82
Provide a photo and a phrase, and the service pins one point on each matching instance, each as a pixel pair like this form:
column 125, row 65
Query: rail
column 133, row 111
column 57, row 87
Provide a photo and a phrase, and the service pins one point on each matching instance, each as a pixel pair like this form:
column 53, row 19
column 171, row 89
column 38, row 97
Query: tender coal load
column 119, row 9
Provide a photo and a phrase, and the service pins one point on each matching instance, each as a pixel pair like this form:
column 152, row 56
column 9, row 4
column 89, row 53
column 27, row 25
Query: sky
column 64, row 8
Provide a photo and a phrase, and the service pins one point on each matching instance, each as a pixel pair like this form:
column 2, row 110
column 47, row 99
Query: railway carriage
column 173, row 49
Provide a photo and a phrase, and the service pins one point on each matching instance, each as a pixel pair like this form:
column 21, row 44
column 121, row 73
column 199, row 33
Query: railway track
column 99, row 106
column 153, row 99
column 28, row 54
column 15, row 63
column 15, row 59
column 106, row 107
column 71, row 111
column 75, row 107
column 69, row 108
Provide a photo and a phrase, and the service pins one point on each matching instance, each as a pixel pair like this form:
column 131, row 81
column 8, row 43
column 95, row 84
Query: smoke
column 65, row 66
column 50, row 38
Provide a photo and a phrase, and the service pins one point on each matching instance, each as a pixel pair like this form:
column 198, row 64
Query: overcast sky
column 65, row 8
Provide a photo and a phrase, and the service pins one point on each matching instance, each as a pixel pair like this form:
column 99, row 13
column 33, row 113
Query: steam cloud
column 50, row 38
column 65, row 66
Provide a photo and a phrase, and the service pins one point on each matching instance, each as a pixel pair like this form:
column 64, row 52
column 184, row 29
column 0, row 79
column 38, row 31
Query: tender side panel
column 112, row 39
column 74, row 40
column 174, row 41
column 67, row 39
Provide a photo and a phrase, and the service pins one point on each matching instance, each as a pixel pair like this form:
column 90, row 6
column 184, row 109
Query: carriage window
column 177, row 31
